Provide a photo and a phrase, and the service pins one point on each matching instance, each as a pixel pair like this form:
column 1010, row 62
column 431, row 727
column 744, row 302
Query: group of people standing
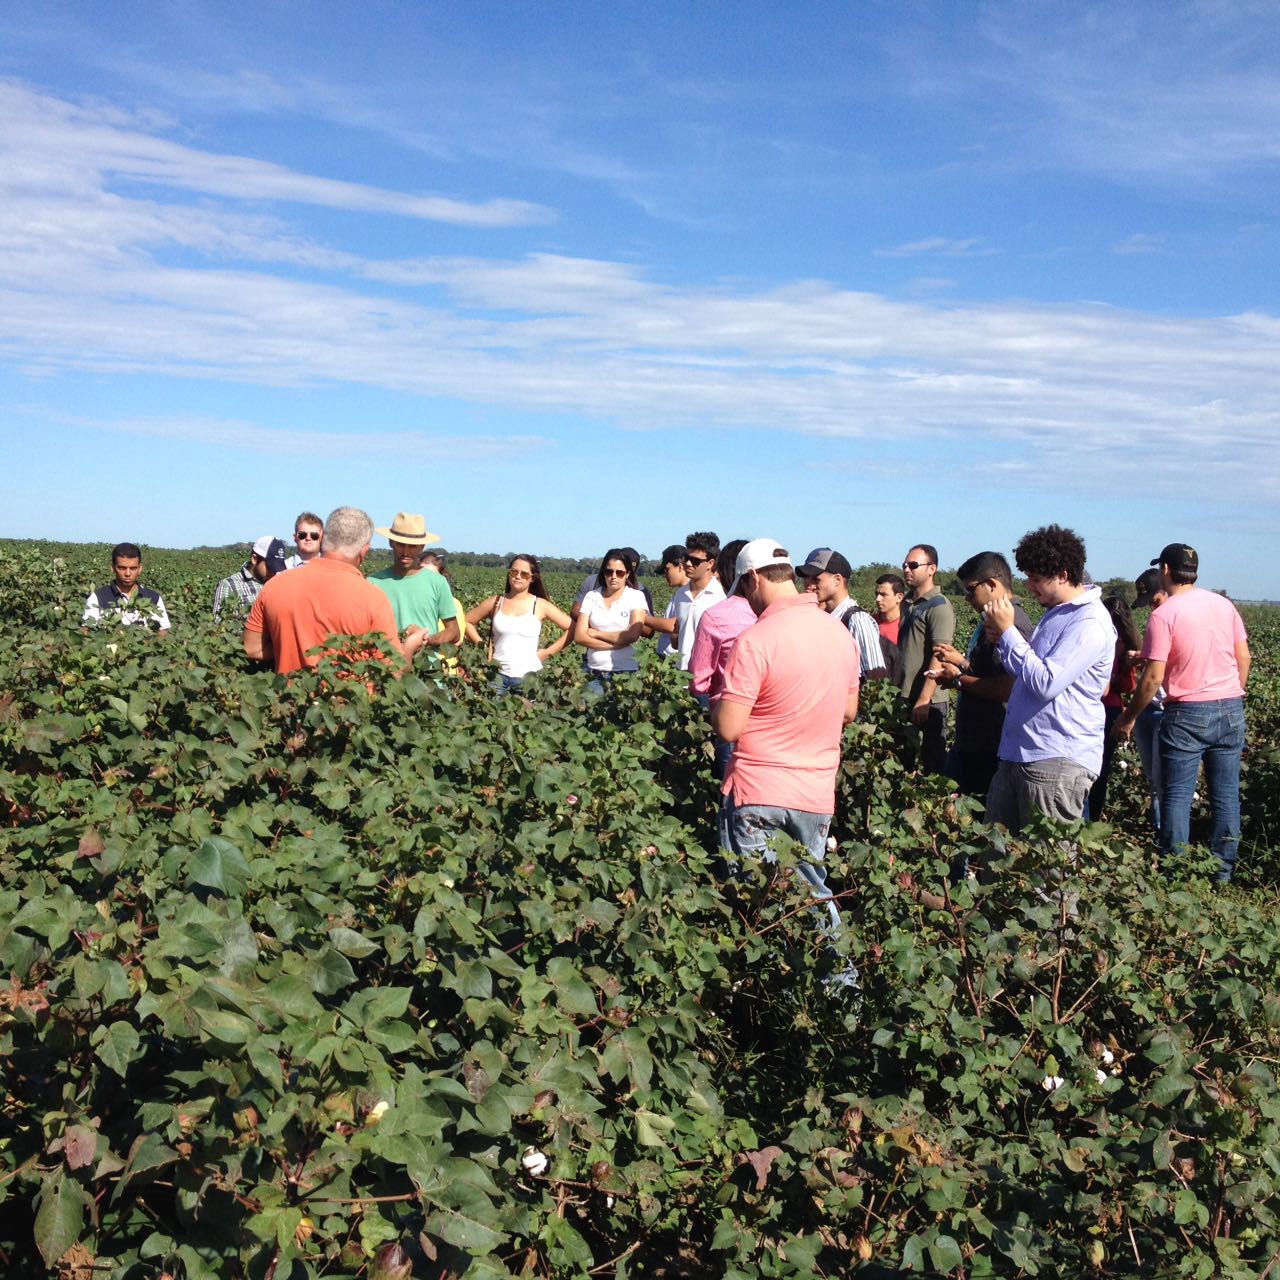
column 777, row 651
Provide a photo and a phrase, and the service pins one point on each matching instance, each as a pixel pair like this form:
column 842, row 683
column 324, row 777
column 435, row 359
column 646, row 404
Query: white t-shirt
column 677, row 608
column 615, row 616
column 711, row 594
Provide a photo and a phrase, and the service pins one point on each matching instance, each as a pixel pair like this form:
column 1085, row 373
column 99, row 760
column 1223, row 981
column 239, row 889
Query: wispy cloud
column 122, row 282
column 938, row 246
column 407, row 446
column 38, row 131
column 1139, row 242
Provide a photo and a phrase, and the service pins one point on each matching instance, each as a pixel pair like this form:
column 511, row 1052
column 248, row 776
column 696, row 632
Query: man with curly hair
column 1051, row 745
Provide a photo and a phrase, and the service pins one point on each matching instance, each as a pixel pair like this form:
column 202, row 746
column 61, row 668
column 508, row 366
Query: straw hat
column 410, row 529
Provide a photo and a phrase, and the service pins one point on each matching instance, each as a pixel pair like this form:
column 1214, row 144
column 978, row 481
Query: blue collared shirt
column 1055, row 710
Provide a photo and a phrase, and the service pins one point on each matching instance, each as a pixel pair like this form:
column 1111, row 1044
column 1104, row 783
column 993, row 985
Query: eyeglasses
column 697, row 560
column 305, row 535
column 615, row 573
column 916, row 564
column 970, row 588
column 519, row 573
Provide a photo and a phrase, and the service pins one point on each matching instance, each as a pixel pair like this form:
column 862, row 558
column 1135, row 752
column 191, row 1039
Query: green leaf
column 117, row 1045
column 945, row 1254
column 220, row 866
column 351, row 943
column 651, row 1127
column 330, row 972
column 60, row 1217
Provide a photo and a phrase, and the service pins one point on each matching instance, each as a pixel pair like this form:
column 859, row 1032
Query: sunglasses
column 697, row 560
column 915, row 564
column 519, row 573
column 304, row 536
column 615, row 573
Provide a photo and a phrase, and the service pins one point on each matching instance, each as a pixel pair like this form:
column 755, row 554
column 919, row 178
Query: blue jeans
column 745, row 831
column 1212, row 733
column 1146, row 733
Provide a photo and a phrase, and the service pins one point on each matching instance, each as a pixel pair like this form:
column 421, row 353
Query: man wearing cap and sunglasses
column 1195, row 648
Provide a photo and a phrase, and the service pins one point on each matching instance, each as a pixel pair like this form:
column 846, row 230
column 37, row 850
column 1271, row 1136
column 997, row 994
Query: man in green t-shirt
column 421, row 600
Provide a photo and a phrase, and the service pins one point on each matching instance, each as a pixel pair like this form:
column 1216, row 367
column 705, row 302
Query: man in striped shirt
column 826, row 573
column 237, row 592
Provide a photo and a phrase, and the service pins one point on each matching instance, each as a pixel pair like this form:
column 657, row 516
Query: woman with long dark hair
column 611, row 619
column 1124, row 680
column 516, row 617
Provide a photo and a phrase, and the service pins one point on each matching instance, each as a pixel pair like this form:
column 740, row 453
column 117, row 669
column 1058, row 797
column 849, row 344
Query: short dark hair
column 986, row 564
column 1051, row 550
column 930, row 551
column 776, row 573
column 310, row 517
column 727, row 563
column 1182, row 576
column 705, row 541
column 674, row 554
column 126, row 551
column 896, row 582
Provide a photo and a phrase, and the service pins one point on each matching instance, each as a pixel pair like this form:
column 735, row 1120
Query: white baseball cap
column 758, row 553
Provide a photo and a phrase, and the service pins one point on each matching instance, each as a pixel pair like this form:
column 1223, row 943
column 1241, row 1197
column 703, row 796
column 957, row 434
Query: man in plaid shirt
column 237, row 592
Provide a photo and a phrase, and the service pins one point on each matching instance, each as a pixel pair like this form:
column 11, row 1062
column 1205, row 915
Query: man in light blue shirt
column 1051, row 746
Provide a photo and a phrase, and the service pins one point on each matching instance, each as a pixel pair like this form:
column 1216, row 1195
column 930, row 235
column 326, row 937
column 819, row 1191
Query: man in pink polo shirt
column 790, row 688
column 1196, row 648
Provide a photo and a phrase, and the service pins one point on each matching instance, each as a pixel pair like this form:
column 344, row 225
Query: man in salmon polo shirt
column 295, row 612
column 1197, row 649
column 789, row 689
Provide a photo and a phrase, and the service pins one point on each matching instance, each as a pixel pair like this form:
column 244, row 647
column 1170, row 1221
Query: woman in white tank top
column 516, row 618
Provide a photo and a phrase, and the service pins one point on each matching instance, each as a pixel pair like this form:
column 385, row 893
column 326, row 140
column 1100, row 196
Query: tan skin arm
column 257, row 646
column 1244, row 662
column 1152, row 678
column 553, row 613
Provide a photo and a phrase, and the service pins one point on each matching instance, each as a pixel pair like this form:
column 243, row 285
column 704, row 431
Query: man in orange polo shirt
column 790, row 688
column 298, row 611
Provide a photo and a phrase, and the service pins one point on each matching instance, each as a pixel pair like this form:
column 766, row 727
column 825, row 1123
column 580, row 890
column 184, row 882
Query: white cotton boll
column 535, row 1161
column 610, row 1201
column 1108, row 1057
column 1050, row 1083
column 377, row 1111
column 1102, row 1075
column 831, row 844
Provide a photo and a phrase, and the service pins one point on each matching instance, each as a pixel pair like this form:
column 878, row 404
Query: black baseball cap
column 1179, row 556
column 1147, row 583
column 824, row 560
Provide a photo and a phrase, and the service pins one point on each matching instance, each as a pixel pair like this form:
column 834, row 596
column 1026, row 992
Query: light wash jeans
column 1212, row 733
column 1058, row 788
column 745, row 831
column 1146, row 733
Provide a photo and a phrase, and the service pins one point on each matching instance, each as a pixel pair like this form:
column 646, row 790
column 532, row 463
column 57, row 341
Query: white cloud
column 408, row 446
column 116, row 281
column 1139, row 242
column 938, row 246
column 50, row 144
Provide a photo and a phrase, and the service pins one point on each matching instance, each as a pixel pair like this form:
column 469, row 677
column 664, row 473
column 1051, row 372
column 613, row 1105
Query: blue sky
column 563, row 276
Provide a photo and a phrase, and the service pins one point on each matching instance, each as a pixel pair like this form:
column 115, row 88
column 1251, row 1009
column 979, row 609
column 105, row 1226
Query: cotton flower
column 1050, row 1083
column 535, row 1161
column 377, row 1111
column 571, row 799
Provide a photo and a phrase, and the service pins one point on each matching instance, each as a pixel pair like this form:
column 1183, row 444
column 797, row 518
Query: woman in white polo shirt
column 611, row 620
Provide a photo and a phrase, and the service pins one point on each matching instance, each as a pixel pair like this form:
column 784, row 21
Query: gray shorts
column 1057, row 788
